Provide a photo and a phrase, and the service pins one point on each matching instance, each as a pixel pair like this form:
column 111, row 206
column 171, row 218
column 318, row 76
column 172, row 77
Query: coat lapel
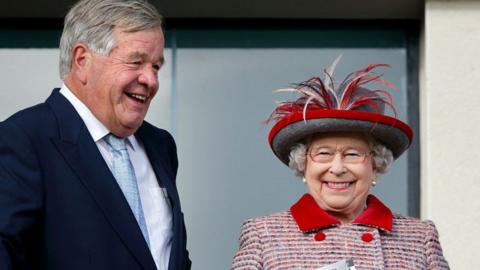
column 311, row 218
column 82, row 155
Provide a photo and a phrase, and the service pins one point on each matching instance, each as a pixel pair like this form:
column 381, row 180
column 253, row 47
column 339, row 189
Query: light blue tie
column 122, row 169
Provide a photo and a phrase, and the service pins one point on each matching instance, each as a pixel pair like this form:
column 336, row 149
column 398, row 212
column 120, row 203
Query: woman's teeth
column 338, row 185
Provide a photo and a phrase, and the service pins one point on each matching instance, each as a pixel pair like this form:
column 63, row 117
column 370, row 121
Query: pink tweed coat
column 307, row 237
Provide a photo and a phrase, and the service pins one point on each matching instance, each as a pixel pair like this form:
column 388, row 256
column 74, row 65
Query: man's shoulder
column 152, row 132
column 27, row 128
column 31, row 117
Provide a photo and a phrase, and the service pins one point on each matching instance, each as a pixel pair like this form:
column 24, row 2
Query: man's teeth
column 142, row 98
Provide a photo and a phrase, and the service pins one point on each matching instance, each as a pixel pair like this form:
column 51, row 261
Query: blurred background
column 225, row 58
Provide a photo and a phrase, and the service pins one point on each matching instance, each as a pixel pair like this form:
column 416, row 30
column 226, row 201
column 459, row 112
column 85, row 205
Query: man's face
column 120, row 86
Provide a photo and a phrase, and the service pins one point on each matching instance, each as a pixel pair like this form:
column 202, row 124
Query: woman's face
column 341, row 176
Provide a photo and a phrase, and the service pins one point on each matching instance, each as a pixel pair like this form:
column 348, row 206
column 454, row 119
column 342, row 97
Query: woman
column 339, row 140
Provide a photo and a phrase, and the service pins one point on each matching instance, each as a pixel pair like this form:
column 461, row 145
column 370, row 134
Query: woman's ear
column 375, row 173
column 81, row 62
column 374, row 166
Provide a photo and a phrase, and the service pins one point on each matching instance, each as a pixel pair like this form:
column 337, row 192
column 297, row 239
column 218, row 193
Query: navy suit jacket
column 60, row 206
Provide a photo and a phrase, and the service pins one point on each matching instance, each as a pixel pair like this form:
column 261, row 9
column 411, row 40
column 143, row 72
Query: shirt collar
column 96, row 128
column 310, row 217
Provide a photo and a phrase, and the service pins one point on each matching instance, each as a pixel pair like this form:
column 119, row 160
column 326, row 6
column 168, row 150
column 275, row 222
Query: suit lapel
column 82, row 155
column 157, row 158
column 159, row 154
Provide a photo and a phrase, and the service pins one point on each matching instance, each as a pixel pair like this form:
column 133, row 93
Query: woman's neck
column 346, row 217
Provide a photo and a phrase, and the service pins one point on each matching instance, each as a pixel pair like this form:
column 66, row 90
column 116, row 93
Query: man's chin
column 126, row 130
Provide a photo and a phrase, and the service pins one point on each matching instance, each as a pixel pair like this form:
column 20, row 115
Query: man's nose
column 149, row 77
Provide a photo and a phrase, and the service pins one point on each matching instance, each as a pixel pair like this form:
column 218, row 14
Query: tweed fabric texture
column 124, row 173
column 276, row 242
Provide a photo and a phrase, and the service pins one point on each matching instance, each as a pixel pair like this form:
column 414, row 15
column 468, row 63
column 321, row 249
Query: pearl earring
column 374, row 183
column 304, row 180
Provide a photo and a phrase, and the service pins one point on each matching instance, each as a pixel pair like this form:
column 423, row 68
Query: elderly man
column 85, row 182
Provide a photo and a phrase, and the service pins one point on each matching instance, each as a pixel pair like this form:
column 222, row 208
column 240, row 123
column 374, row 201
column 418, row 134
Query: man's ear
column 81, row 62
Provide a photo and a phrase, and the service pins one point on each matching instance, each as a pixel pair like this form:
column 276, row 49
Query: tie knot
column 116, row 143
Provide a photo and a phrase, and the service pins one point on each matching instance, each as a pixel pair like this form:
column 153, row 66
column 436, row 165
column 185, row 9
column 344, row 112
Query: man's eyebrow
column 143, row 55
column 136, row 54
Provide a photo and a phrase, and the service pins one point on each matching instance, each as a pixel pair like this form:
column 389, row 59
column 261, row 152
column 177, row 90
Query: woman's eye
column 324, row 153
column 352, row 153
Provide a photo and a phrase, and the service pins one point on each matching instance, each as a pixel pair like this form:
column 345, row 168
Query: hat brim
column 291, row 129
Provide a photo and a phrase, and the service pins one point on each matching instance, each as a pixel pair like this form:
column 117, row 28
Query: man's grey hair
column 92, row 22
column 382, row 156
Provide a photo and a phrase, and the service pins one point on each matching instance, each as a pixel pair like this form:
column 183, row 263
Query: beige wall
column 450, row 127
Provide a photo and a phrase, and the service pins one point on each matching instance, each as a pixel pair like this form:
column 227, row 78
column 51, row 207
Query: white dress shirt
column 156, row 207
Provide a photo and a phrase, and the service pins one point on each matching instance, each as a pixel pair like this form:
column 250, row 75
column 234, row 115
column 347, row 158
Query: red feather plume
column 351, row 93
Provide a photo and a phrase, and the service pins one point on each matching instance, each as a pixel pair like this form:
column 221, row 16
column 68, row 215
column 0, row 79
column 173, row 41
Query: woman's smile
column 338, row 186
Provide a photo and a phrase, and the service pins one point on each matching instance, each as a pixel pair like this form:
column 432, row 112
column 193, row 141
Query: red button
column 367, row 237
column 320, row 236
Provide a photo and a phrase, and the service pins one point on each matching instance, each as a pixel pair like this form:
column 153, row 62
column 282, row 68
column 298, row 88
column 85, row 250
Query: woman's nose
column 337, row 167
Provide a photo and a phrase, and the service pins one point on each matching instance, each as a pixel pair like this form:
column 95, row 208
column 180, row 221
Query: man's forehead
column 143, row 47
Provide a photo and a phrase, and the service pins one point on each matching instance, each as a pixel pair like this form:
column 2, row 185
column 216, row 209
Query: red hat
column 349, row 107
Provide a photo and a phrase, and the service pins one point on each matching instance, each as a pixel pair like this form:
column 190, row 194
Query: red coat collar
column 310, row 217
